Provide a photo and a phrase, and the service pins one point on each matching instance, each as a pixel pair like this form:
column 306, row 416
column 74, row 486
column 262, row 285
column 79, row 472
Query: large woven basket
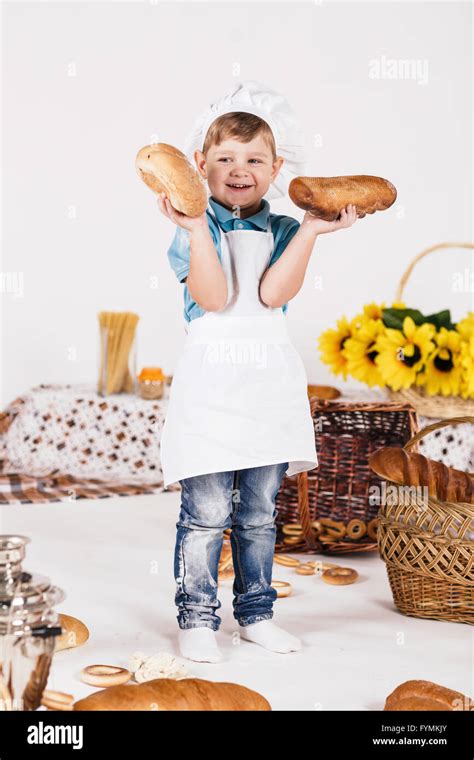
column 340, row 487
column 440, row 407
column 428, row 549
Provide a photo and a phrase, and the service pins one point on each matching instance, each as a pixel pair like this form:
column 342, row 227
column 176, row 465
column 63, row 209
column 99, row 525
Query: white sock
column 199, row 643
column 270, row 636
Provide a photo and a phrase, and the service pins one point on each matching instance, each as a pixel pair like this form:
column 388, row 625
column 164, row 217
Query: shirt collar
column 223, row 214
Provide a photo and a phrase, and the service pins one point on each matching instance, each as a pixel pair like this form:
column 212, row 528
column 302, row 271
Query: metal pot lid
column 21, row 591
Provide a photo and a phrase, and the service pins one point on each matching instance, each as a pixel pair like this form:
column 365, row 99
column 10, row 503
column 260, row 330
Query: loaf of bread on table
column 326, row 196
column 166, row 169
column 170, row 694
column 413, row 469
column 426, row 695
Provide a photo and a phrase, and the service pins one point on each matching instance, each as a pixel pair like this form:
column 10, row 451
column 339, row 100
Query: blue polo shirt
column 283, row 229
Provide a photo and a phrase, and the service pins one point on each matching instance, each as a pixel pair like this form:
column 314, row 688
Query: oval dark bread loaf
column 172, row 694
column 426, row 695
column 166, row 169
column 326, row 196
column 413, row 469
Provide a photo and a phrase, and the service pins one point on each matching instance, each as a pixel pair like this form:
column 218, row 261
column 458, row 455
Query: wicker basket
column 429, row 551
column 440, row 407
column 340, row 486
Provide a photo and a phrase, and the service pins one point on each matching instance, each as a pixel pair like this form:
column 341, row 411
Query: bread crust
column 166, row 169
column 413, row 469
column 172, row 694
column 424, row 695
column 326, row 196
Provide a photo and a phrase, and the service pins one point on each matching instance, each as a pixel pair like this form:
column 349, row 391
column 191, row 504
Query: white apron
column 238, row 397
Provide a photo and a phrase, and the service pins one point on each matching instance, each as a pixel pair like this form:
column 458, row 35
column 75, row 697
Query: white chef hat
column 271, row 106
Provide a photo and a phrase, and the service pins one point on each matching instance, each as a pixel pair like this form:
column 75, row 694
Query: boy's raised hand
column 346, row 218
column 186, row 222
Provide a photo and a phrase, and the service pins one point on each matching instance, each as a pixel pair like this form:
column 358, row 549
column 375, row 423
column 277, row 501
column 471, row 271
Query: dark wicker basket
column 339, row 487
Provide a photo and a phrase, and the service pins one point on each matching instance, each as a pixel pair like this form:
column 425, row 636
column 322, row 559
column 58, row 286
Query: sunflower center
column 444, row 360
column 410, row 355
column 371, row 354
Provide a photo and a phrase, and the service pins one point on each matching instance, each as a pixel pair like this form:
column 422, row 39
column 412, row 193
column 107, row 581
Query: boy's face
column 233, row 164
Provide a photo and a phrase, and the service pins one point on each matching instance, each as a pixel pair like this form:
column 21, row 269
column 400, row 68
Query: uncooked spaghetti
column 117, row 333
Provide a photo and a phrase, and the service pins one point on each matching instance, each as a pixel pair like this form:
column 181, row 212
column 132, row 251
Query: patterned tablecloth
column 71, row 430
column 94, row 445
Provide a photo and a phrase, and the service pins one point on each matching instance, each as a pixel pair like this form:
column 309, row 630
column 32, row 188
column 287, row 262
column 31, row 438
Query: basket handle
column 436, row 426
column 408, row 271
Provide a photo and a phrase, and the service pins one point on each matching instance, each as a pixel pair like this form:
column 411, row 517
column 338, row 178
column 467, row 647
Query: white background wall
column 85, row 85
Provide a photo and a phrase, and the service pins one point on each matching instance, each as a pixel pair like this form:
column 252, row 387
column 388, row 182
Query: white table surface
column 114, row 559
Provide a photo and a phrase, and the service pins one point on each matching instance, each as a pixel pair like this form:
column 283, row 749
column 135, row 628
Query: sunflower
column 360, row 352
column 402, row 353
column 370, row 311
column 467, row 363
column 331, row 345
column 443, row 369
column 466, row 326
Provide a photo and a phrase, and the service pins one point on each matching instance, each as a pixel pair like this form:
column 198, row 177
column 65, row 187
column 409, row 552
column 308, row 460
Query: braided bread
column 326, row 196
column 412, row 469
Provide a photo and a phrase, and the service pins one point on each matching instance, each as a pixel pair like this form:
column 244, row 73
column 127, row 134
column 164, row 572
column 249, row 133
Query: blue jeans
column 243, row 500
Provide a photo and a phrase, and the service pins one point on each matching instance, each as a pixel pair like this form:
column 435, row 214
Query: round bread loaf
column 74, row 634
column 166, row 169
column 326, row 196
column 172, row 694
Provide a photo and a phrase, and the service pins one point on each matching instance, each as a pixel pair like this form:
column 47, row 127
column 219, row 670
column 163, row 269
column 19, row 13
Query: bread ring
column 372, row 528
column 57, row 700
column 292, row 529
column 356, row 529
column 285, row 559
column 333, row 528
column 340, row 576
column 104, row 675
column 291, row 540
column 282, row 588
column 306, row 569
column 326, row 538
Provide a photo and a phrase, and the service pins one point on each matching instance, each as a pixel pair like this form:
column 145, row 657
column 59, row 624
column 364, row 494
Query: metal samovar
column 28, row 627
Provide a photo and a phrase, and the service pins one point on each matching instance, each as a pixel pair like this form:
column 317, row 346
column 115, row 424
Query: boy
column 238, row 415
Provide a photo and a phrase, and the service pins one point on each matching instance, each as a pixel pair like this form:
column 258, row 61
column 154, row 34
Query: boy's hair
column 241, row 125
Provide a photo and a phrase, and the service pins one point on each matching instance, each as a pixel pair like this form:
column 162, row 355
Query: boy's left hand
column 346, row 218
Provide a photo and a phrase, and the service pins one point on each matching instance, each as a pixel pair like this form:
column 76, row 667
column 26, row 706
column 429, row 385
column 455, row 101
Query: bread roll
column 326, row 196
column 323, row 391
column 165, row 169
column 169, row 694
column 413, row 469
column 425, row 695
column 74, row 634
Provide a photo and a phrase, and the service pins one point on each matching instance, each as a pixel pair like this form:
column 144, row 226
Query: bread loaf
column 413, row 469
column 165, row 169
column 326, row 196
column 74, row 633
column 425, row 695
column 170, row 694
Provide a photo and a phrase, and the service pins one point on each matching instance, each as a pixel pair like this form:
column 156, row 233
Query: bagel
column 340, row 576
column 104, row 675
